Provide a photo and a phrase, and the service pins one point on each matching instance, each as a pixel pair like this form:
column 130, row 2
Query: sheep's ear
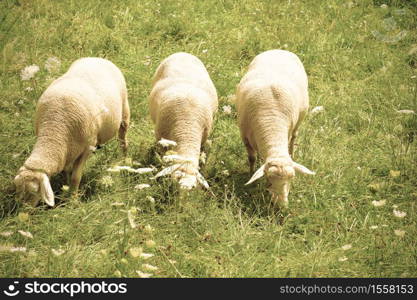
column 258, row 174
column 46, row 191
column 201, row 180
column 303, row 170
column 167, row 171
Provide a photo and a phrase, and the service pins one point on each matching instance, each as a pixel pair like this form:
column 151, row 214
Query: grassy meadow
column 355, row 218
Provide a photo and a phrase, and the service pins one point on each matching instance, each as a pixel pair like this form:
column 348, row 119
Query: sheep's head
column 184, row 171
column 32, row 186
column 279, row 173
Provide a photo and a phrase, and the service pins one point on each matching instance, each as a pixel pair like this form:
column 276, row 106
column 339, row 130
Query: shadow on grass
column 8, row 205
column 253, row 199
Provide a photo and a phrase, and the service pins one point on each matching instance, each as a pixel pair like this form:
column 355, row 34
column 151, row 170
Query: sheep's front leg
column 251, row 156
column 292, row 143
column 67, row 173
column 77, row 169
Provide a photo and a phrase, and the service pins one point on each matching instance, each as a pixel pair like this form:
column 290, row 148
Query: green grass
column 359, row 78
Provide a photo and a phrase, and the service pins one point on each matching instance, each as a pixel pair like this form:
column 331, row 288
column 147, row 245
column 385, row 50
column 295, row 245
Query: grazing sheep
column 183, row 101
column 272, row 100
column 83, row 108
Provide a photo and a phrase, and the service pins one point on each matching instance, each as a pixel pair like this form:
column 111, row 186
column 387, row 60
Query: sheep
column 80, row 110
column 271, row 101
column 183, row 101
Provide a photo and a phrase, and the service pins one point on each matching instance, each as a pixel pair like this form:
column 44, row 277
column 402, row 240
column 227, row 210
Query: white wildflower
column 399, row 214
column 143, row 275
column 204, row 51
column 373, row 227
column 384, row 6
column 149, row 267
column 142, row 186
column 150, row 199
column 28, row 72
column 209, row 143
column 148, row 229
column 57, row 252
column 113, row 169
column 17, row 249
column 146, row 255
column 117, row 274
column 346, row 247
column 23, row 217
column 317, row 109
column 29, row 89
column 394, row 173
column 406, row 111
column 135, row 251
column 26, row 234
column 150, row 243
column 144, row 170
column 131, row 218
column 412, row 51
column 106, row 181
column 227, row 109
column 4, row 248
column 378, row 203
column 136, row 163
column 166, row 143
column 399, row 232
column 343, row 258
column 117, row 169
column 226, row 173
column 52, row 64
column 6, row 233
column 65, row 188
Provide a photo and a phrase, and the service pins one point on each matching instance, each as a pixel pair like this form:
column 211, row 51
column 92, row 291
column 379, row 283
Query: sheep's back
column 88, row 100
column 186, row 68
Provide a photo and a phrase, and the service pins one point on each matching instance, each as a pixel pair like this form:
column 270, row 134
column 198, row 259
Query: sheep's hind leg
column 122, row 136
column 124, row 125
column 77, row 170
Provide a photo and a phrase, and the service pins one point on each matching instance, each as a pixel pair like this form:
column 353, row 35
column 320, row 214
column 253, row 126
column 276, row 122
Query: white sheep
column 85, row 107
column 183, row 102
column 272, row 100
